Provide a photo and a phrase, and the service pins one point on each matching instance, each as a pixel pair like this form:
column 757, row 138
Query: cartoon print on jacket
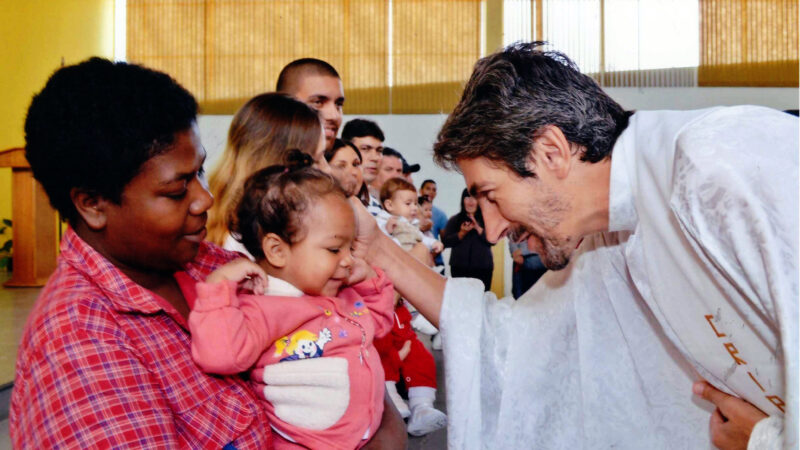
column 302, row 344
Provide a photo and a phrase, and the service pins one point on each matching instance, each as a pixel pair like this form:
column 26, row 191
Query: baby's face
column 404, row 204
column 320, row 263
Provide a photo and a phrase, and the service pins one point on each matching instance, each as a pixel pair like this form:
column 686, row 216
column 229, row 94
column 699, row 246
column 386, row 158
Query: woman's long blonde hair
column 261, row 134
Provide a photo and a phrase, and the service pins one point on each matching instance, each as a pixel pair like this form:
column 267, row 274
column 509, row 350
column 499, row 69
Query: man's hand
column 360, row 271
column 366, row 229
column 437, row 248
column 732, row 421
column 247, row 274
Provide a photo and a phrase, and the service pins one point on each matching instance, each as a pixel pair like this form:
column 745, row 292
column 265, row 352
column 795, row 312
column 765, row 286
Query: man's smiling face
column 521, row 208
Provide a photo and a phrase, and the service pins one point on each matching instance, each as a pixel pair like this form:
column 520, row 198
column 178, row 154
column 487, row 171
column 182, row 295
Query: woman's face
column 346, row 167
column 319, row 156
column 161, row 217
column 470, row 205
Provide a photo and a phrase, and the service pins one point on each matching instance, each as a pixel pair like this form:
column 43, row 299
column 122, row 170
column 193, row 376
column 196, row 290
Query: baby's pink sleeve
column 378, row 296
column 228, row 333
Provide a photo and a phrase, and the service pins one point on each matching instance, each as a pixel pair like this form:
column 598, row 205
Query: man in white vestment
column 677, row 235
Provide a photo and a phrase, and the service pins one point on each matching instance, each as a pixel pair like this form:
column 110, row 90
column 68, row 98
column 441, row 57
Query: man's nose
column 494, row 223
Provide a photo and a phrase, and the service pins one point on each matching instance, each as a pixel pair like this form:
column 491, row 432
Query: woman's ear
column 552, row 152
column 91, row 207
column 276, row 250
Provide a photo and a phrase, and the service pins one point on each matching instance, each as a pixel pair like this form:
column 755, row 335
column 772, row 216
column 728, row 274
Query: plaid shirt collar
column 123, row 293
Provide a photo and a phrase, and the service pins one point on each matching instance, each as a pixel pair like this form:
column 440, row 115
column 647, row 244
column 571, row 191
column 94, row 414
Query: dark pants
column 485, row 275
column 526, row 275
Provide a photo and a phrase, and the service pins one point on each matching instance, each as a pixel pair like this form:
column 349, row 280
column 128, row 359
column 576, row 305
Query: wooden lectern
column 34, row 224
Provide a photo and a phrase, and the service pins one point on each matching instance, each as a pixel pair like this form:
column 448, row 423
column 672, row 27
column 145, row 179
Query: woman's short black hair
column 95, row 123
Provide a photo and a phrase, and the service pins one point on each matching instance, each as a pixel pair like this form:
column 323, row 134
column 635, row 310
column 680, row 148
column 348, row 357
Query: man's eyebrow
column 473, row 190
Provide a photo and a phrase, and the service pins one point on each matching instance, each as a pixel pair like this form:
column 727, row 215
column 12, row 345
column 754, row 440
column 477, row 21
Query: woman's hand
column 437, row 248
column 247, row 274
column 475, row 225
column 732, row 422
column 466, row 227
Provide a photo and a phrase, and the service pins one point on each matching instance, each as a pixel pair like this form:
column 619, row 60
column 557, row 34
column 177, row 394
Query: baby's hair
column 275, row 200
column 423, row 199
column 393, row 185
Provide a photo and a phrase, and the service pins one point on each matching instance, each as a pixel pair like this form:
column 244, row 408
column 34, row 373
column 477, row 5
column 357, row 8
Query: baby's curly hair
column 276, row 199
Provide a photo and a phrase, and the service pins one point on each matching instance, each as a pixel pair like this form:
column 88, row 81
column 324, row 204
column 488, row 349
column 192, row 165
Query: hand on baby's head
column 247, row 274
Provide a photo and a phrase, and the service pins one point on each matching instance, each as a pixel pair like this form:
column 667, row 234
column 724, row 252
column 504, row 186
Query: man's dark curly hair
column 95, row 123
column 512, row 94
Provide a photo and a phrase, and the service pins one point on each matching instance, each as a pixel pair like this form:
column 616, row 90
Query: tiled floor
column 15, row 305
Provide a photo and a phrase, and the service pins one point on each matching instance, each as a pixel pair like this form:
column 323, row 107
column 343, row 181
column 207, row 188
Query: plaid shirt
column 105, row 363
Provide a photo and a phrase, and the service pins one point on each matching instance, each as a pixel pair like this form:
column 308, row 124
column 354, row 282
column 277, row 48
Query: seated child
column 402, row 353
column 399, row 198
column 299, row 226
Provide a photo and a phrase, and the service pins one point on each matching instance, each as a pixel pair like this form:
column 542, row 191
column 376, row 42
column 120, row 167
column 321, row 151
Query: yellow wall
column 35, row 37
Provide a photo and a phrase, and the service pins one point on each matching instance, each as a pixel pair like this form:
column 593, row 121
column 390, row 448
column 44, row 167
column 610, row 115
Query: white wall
column 413, row 135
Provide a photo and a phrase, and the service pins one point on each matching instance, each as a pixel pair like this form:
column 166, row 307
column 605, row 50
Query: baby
column 310, row 299
column 399, row 198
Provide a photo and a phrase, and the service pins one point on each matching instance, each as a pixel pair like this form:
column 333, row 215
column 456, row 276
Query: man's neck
column 374, row 191
column 592, row 197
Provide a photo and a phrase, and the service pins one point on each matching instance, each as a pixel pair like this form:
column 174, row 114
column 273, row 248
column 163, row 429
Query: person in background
column 317, row 84
column 399, row 200
column 471, row 254
column 345, row 162
column 391, row 166
column 428, row 189
column 404, row 357
column 305, row 299
column 409, row 169
column 261, row 134
column 368, row 138
column 528, row 268
column 438, row 217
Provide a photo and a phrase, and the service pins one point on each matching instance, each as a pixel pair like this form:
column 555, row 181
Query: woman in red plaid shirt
column 105, row 358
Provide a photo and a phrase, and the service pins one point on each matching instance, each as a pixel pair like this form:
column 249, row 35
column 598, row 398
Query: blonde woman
column 262, row 133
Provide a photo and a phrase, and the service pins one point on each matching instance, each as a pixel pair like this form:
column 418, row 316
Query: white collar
column 621, row 207
column 281, row 288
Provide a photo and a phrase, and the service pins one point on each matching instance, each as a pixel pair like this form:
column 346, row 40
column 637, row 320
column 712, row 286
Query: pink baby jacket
column 235, row 331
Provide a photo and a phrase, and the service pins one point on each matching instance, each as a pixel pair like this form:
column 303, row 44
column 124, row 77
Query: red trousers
column 418, row 368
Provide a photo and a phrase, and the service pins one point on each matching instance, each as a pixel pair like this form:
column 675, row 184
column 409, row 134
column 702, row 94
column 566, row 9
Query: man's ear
column 552, row 152
column 276, row 250
column 91, row 207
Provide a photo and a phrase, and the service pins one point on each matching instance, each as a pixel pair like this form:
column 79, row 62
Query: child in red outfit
column 319, row 303
column 402, row 353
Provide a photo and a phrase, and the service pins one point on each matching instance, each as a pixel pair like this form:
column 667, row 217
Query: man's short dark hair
column 422, row 186
column 300, row 68
column 357, row 128
column 513, row 94
column 95, row 123
column 388, row 151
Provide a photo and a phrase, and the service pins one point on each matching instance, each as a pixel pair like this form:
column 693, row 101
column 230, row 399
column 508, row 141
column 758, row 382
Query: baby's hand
column 360, row 271
column 247, row 274
column 391, row 224
column 437, row 248
column 405, row 350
